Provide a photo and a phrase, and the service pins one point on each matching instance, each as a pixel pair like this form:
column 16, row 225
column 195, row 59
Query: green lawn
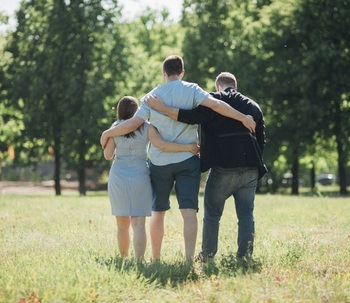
column 63, row 249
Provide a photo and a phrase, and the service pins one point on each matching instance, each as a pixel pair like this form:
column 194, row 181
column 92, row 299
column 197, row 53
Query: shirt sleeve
column 143, row 112
column 199, row 95
column 198, row 115
column 260, row 132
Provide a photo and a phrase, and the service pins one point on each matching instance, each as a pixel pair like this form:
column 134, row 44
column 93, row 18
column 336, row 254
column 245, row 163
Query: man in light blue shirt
column 178, row 93
column 179, row 168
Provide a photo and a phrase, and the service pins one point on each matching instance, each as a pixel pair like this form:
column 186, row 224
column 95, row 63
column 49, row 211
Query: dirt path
column 47, row 187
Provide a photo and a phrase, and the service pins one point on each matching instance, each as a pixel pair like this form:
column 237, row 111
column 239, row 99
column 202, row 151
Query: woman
column 129, row 184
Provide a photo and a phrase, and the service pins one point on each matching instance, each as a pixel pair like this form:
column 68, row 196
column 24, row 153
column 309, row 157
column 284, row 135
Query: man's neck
column 172, row 78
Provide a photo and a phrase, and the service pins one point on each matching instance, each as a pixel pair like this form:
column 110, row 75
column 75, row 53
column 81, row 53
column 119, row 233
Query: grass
column 63, row 249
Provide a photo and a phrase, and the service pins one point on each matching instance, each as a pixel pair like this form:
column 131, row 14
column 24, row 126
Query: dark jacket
column 226, row 142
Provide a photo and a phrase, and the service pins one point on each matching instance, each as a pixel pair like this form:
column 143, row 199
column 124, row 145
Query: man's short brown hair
column 173, row 65
column 226, row 79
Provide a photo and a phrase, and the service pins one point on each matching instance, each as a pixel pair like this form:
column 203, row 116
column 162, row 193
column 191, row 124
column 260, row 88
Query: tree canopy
column 67, row 63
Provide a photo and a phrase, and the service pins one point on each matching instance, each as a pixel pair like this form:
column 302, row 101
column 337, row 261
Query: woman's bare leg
column 123, row 223
column 139, row 239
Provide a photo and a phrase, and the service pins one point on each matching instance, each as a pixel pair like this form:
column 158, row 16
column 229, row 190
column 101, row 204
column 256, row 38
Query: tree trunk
column 341, row 166
column 81, row 178
column 313, row 178
column 295, row 173
column 340, row 149
column 57, row 172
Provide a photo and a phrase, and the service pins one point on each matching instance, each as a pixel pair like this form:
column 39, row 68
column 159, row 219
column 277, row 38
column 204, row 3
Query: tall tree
column 97, row 51
column 279, row 74
column 67, row 59
column 260, row 42
column 324, row 32
column 300, row 51
column 153, row 36
column 207, row 41
column 25, row 46
column 9, row 115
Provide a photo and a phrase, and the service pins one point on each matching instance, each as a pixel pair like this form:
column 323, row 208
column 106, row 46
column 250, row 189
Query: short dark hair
column 173, row 65
column 226, row 79
column 126, row 108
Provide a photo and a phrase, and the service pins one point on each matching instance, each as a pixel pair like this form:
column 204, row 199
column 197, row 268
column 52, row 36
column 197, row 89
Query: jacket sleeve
column 260, row 132
column 198, row 115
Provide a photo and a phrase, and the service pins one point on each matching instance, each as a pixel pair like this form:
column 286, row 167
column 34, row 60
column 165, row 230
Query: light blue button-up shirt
column 179, row 94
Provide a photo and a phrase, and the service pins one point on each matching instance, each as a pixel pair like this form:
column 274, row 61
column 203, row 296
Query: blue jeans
column 221, row 184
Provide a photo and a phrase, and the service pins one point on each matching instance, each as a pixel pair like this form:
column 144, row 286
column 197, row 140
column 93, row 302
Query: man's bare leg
column 190, row 231
column 157, row 233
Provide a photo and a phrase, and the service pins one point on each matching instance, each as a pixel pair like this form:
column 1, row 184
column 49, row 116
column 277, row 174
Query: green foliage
column 10, row 125
column 300, row 104
column 66, row 60
column 281, row 60
column 152, row 37
column 207, row 41
column 326, row 45
column 67, row 63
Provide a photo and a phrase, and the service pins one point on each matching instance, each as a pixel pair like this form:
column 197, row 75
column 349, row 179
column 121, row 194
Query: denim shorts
column 186, row 177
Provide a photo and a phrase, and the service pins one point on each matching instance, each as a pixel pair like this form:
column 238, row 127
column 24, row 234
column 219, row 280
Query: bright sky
column 131, row 7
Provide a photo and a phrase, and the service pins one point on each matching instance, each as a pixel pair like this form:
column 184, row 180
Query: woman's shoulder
column 115, row 123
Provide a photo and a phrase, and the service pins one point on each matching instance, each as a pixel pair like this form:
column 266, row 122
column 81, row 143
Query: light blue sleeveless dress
column 129, row 184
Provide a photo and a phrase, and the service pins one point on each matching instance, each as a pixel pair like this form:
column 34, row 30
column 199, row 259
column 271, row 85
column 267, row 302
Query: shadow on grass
column 160, row 273
column 179, row 272
column 228, row 265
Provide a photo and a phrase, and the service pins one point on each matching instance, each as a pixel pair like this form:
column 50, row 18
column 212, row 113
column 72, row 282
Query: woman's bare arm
column 109, row 149
column 121, row 129
column 156, row 140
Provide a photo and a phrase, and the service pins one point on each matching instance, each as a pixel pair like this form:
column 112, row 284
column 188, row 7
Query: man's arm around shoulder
column 226, row 110
column 121, row 129
column 196, row 115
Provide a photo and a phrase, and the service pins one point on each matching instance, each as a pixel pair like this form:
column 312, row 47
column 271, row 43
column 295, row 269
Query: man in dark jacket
column 234, row 157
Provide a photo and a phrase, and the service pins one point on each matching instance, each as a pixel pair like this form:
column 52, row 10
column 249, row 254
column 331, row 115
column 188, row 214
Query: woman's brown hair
column 126, row 108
